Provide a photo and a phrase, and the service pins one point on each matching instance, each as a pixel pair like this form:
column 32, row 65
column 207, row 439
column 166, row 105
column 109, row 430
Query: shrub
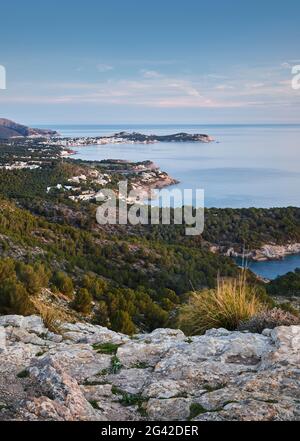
column 226, row 306
column 63, row 283
column 14, row 299
column 82, row 301
column 95, row 285
column 121, row 322
column 101, row 314
column 34, row 278
column 269, row 319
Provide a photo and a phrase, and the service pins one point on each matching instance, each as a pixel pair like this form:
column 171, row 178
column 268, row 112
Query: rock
column 131, row 381
column 162, row 335
column 31, row 323
column 287, row 343
column 173, row 409
column 165, row 389
column 97, row 392
column 2, row 339
column 87, row 333
column 80, row 361
column 60, row 395
column 256, row 410
column 135, row 353
column 219, row 376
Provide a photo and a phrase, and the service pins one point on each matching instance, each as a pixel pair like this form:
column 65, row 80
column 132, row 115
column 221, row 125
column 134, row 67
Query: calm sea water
column 273, row 268
column 246, row 166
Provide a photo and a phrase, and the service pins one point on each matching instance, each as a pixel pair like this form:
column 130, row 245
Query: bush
column 226, row 306
column 63, row 283
column 82, row 301
column 14, row 299
column 34, row 278
column 121, row 322
column 269, row 319
column 101, row 314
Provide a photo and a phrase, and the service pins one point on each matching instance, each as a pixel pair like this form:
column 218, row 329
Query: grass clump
column 106, row 348
column 127, row 399
column 115, row 365
column 230, row 303
column 52, row 317
column 94, row 404
column 23, row 374
column 195, row 410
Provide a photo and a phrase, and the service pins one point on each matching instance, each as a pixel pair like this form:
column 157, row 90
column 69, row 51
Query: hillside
column 10, row 129
column 87, row 372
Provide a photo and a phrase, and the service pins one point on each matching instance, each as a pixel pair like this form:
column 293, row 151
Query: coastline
column 266, row 253
column 146, row 191
column 129, row 138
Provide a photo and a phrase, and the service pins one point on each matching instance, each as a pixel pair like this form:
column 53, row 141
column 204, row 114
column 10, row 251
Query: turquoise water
column 247, row 165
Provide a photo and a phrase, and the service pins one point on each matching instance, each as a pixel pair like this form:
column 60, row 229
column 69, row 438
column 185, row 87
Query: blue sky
column 165, row 61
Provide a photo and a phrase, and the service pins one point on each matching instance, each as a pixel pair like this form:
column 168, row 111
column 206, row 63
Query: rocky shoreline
column 265, row 253
column 88, row 372
column 159, row 181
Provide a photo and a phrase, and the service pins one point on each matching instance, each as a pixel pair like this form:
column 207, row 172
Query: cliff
column 91, row 373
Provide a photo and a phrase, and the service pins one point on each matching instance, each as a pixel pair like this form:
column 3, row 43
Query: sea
column 245, row 166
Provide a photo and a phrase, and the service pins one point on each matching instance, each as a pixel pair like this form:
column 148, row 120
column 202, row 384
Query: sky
column 170, row 61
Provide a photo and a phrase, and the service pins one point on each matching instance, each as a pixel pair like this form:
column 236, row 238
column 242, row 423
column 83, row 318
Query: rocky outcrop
column 91, row 373
column 266, row 252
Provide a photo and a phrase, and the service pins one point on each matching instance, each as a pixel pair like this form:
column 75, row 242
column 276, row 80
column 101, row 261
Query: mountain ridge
column 11, row 129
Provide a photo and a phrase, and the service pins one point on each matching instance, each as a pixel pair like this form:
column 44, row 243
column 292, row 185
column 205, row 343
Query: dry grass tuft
column 232, row 302
column 51, row 316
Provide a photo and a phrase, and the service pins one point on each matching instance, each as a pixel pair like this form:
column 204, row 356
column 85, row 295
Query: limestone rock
column 219, row 376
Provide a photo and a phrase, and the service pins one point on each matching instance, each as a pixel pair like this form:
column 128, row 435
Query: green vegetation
column 106, row 348
column 252, row 227
column 23, row 374
column 94, row 404
column 63, row 283
column 127, row 399
column 195, row 410
column 135, row 283
column 18, row 284
column 286, row 285
column 127, row 278
column 83, row 301
column 116, row 365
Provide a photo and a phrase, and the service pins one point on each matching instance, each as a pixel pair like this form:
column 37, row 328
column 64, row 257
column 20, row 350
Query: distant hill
column 10, row 129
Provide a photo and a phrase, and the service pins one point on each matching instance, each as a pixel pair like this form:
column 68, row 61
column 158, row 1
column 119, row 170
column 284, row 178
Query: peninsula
column 10, row 129
column 131, row 138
